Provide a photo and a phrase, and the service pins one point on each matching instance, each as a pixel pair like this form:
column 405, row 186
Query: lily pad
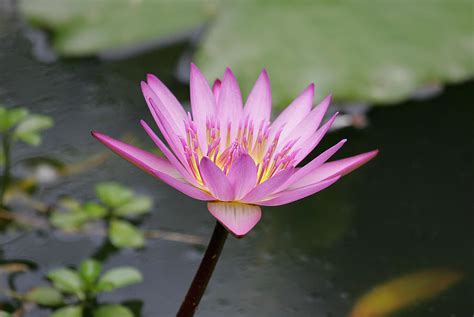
column 376, row 51
column 86, row 27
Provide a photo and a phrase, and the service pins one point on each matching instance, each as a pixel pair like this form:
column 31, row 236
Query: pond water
column 408, row 210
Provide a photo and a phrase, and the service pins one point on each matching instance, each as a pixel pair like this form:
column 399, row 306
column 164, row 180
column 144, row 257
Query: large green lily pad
column 375, row 51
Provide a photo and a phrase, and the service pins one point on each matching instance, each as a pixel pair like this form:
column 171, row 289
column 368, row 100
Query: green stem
column 204, row 272
column 6, row 168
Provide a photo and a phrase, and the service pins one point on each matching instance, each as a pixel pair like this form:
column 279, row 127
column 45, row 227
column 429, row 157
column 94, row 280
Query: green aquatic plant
column 116, row 205
column 74, row 292
column 18, row 124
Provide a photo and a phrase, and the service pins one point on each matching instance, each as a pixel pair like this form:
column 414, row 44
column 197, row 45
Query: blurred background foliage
column 360, row 51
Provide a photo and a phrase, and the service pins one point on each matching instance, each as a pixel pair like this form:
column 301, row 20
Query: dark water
column 410, row 209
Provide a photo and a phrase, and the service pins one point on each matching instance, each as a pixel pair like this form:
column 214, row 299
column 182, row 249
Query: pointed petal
column 142, row 159
column 268, row 187
column 308, row 126
column 216, row 89
column 243, row 175
column 215, row 180
column 203, row 103
column 335, row 168
column 229, row 108
column 180, row 167
column 294, row 113
column 313, row 141
column 172, row 104
column 171, row 113
column 183, row 187
column 289, row 196
column 258, row 107
column 238, row 218
column 314, row 164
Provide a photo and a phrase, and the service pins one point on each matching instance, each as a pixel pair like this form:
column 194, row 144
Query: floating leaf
column 376, row 51
column 69, row 311
column 123, row 234
column 90, row 270
column 137, row 206
column 113, row 194
column 30, row 128
column 4, row 314
column 47, row 296
column 84, row 28
column 119, row 277
column 68, row 281
column 404, row 291
column 94, row 210
column 113, row 311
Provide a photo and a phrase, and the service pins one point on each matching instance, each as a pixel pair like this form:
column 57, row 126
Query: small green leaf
column 4, row 314
column 113, row 194
column 90, row 270
column 47, row 296
column 94, row 210
column 123, row 234
column 29, row 129
column 118, row 277
column 69, row 311
column 68, row 281
column 68, row 220
column 10, row 117
column 113, row 311
column 137, row 206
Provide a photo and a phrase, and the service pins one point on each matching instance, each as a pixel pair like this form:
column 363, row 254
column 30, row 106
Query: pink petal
column 335, row 168
column 215, row 179
column 171, row 136
column 238, row 218
column 183, row 187
column 268, row 187
column 242, row 175
column 173, row 106
column 216, row 88
column 171, row 113
column 314, row 140
column 293, row 114
column 203, row 103
column 314, row 164
column 258, row 107
column 182, row 169
column 142, row 159
column 289, row 196
column 308, row 126
column 229, row 107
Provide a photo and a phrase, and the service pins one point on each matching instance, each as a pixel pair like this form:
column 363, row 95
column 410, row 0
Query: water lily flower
column 230, row 154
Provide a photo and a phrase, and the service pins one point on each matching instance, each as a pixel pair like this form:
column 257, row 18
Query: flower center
column 224, row 145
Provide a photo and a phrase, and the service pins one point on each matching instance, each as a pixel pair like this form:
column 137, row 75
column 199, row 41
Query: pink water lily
column 230, row 154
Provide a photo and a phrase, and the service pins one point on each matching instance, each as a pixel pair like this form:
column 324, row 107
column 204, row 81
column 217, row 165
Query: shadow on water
column 410, row 209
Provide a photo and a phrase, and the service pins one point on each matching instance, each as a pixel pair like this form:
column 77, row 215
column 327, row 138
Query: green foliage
column 123, row 234
column 47, row 296
column 89, row 271
column 4, row 314
column 113, row 311
column 118, row 277
column 68, row 281
column 377, row 51
column 116, row 204
column 22, row 125
column 84, row 284
column 68, row 311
